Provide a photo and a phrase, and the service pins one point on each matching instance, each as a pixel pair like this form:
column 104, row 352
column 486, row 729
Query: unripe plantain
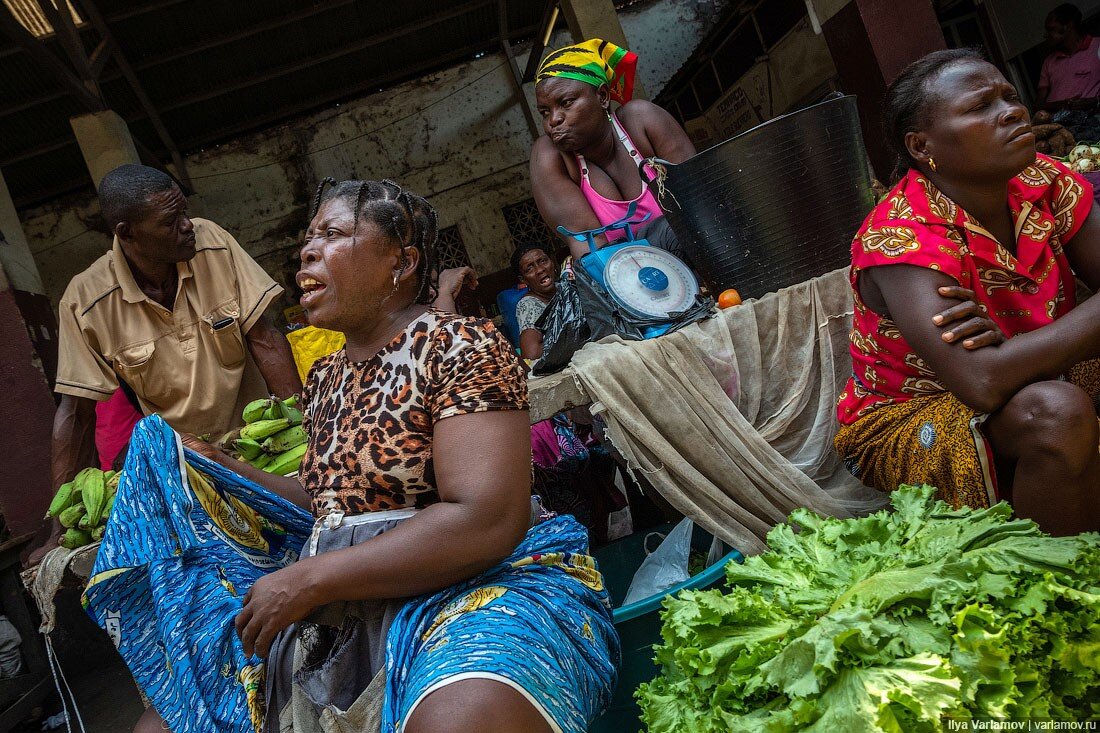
column 284, row 440
column 72, row 515
column 262, row 429
column 62, row 500
column 261, row 461
column 94, row 496
column 74, row 538
column 247, row 449
column 254, row 410
column 287, row 462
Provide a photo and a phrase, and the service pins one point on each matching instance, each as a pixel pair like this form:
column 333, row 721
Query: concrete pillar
column 15, row 254
column 598, row 19
column 25, row 491
column 105, row 142
column 869, row 51
column 23, row 285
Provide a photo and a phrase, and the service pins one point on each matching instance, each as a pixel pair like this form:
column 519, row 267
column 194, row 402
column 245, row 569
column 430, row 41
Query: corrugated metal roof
column 30, row 16
column 215, row 69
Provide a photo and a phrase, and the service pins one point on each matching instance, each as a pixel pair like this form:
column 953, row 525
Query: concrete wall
column 457, row 137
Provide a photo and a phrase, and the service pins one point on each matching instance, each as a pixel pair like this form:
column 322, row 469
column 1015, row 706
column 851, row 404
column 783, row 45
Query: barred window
column 525, row 224
column 451, row 249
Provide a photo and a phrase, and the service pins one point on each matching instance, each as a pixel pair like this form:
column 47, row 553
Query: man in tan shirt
column 175, row 310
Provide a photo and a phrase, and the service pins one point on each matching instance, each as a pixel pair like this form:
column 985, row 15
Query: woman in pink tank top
column 585, row 170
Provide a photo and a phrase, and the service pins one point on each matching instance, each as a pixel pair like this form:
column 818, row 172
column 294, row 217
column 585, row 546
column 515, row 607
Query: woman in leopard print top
column 419, row 470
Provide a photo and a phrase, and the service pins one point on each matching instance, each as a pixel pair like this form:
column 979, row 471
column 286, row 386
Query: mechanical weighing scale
column 645, row 281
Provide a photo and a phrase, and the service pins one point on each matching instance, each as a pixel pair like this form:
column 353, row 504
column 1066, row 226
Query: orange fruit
column 729, row 298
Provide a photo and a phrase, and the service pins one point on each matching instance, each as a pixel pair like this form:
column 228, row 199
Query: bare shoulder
column 543, row 151
column 547, row 162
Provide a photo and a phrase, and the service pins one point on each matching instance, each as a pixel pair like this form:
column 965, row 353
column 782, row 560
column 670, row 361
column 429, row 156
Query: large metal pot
column 773, row 206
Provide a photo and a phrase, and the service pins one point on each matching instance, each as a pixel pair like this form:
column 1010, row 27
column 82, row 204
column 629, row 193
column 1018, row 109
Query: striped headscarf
column 594, row 62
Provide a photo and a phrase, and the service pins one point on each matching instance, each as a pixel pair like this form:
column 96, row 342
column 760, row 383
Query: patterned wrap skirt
column 186, row 540
column 934, row 440
column 539, row 622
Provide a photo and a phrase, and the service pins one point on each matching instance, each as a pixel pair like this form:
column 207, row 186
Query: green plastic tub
column 639, row 624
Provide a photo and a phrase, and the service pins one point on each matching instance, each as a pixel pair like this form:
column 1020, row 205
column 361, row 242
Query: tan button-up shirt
column 191, row 363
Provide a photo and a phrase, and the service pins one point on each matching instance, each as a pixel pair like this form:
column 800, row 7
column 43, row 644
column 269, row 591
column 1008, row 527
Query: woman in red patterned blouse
column 976, row 217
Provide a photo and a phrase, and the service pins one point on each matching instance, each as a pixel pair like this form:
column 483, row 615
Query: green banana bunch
column 62, row 500
column 85, row 523
column 97, row 533
column 262, row 429
column 248, row 449
column 284, row 440
column 110, row 505
column 74, row 538
column 287, row 461
column 72, row 515
column 93, row 493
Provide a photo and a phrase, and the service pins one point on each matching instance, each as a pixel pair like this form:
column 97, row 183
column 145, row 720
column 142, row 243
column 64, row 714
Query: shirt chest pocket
column 138, row 366
column 223, row 331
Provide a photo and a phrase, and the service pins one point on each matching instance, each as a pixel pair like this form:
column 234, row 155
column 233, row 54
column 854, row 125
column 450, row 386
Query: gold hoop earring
column 932, row 163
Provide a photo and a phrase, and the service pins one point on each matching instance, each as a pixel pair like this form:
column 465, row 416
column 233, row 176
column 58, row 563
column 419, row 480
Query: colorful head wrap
column 594, row 62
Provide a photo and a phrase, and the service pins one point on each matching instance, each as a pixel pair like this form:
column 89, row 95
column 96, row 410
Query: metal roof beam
column 542, row 37
column 32, row 102
column 96, row 18
column 100, row 55
column 143, row 9
column 462, row 54
column 40, row 150
column 46, row 60
column 252, row 30
column 67, row 35
column 340, row 52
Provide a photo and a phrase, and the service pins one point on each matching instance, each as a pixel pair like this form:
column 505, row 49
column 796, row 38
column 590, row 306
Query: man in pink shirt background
column 1070, row 78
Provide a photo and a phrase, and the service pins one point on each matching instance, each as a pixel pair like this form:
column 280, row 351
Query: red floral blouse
column 918, row 225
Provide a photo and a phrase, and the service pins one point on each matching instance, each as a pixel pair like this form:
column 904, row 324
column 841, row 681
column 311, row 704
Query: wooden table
column 553, row 393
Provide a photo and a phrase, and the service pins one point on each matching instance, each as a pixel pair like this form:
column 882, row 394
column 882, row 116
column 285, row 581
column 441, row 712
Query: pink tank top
column 608, row 210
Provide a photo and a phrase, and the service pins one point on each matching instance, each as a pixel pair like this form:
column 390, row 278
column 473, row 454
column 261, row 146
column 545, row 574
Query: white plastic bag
column 666, row 567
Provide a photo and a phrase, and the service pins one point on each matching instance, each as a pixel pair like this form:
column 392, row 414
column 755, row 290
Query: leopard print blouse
column 370, row 423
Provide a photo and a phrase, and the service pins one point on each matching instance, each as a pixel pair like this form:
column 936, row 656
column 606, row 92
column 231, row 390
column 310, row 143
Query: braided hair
column 906, row 105
column 408, row 219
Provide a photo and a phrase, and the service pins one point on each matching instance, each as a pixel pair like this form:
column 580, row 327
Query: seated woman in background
column 535, row 268
column 573, row 474
column 585, row 170
column 419, row 463
column 976, row 209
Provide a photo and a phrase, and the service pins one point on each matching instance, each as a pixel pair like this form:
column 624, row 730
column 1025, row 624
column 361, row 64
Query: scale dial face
column 650, row 282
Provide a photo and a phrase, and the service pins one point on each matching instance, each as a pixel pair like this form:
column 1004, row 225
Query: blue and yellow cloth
column 185, row 541
column 187, row 538
column 539, row 622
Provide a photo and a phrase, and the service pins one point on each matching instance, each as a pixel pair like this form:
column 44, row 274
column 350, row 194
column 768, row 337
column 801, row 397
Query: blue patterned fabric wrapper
column 185, row 541
column 540, row 622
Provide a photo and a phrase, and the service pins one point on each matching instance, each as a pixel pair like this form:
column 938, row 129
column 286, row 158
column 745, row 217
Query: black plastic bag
column 563, row 326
